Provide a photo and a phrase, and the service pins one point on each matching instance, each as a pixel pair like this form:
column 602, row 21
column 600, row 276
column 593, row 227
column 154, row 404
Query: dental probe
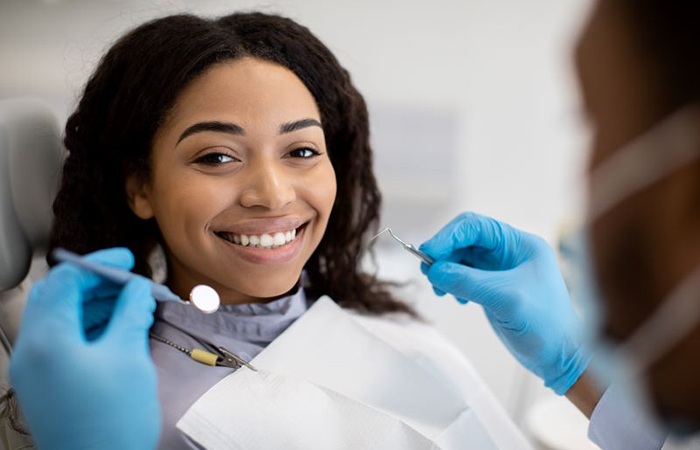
column 410, row 247
column 202, row 297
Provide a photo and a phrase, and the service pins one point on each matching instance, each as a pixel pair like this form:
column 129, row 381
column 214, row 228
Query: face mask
column 648, row 159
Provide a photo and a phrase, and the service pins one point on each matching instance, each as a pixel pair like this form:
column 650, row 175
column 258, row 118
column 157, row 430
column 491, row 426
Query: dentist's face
column 646, row 244
column 241, row 184
column 620, row 95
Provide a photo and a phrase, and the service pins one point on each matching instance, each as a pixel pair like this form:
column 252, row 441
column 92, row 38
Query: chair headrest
column 31, row 155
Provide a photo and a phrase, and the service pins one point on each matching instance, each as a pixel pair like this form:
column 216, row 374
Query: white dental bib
column 334, row 380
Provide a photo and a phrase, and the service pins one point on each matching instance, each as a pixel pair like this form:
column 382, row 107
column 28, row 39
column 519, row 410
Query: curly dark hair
column 130, row 95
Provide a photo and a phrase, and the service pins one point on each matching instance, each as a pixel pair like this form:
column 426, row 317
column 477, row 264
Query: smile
column 265, row 240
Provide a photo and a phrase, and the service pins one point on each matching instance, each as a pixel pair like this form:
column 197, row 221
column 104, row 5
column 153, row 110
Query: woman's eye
column 304, row 152
column 214, row 159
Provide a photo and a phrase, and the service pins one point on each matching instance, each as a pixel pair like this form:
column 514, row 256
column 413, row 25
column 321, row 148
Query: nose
column 268, row 185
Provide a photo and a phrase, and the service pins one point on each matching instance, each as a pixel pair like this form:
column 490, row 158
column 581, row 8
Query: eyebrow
column 290, row 127
column 237, row 130
column 221, row 127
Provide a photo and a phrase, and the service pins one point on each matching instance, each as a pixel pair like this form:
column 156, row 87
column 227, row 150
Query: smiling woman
column 243, row 195
column 224, row 114
column 244, row 170
column 235, row 152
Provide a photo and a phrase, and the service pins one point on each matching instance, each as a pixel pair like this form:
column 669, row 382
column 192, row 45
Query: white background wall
column 498, row 71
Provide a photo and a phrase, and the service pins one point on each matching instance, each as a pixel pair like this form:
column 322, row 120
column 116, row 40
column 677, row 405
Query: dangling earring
column 158, row 264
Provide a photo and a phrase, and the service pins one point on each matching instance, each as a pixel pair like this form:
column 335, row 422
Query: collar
column 251, row 322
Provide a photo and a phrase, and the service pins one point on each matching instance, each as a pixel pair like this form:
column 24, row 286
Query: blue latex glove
column 515, row 277
column 81, row 394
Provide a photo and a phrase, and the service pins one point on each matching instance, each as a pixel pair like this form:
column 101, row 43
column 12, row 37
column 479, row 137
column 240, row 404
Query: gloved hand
column 515, row 277
column 81, row 394
column 98, row 308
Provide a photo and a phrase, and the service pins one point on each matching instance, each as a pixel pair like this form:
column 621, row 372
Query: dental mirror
column 202, row 297
column 205, row 298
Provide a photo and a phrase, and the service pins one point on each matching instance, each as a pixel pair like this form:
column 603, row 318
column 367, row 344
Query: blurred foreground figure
column 640, row 82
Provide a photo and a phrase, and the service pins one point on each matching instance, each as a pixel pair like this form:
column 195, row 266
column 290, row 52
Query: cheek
column 185, row 205
column 330, row 192
column 321, row 192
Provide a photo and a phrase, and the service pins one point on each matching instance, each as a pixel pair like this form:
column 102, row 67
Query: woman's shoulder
column 401, row 326
column 427, row 347
column 398, row 326
column 419, row 341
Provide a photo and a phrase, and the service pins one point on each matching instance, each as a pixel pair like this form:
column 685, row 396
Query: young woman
column 234, row 153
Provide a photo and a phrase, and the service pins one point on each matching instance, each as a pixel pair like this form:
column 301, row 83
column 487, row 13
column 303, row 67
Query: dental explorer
column 410, row 247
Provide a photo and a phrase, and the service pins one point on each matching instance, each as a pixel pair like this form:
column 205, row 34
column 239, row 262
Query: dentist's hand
column 515, row 277
column 77, row 393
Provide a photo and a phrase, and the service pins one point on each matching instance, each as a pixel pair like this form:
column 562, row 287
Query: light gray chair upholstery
column 30, row 159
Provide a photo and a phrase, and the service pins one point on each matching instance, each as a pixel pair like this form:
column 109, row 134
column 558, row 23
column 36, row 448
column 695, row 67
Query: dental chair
column 31, row 155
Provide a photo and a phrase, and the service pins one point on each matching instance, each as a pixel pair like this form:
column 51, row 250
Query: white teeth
column 264, row 240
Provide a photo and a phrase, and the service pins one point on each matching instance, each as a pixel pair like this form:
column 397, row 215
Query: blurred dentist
column 639, row 75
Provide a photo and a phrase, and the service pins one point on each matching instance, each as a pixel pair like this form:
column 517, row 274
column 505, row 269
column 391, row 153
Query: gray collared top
column 243, row 329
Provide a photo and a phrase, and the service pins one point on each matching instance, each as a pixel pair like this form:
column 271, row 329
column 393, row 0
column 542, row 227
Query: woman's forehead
column 250, row 92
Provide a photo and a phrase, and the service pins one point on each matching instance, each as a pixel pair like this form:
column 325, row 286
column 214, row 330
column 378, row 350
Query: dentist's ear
column 138, row 198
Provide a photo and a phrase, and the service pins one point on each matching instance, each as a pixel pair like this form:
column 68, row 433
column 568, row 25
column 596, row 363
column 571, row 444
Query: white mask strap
column 647, row 159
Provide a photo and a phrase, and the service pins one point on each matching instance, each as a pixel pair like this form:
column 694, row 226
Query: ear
column 138, row 198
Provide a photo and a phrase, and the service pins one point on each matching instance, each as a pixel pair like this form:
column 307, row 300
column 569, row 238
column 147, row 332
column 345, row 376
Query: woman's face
column 241, row 184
